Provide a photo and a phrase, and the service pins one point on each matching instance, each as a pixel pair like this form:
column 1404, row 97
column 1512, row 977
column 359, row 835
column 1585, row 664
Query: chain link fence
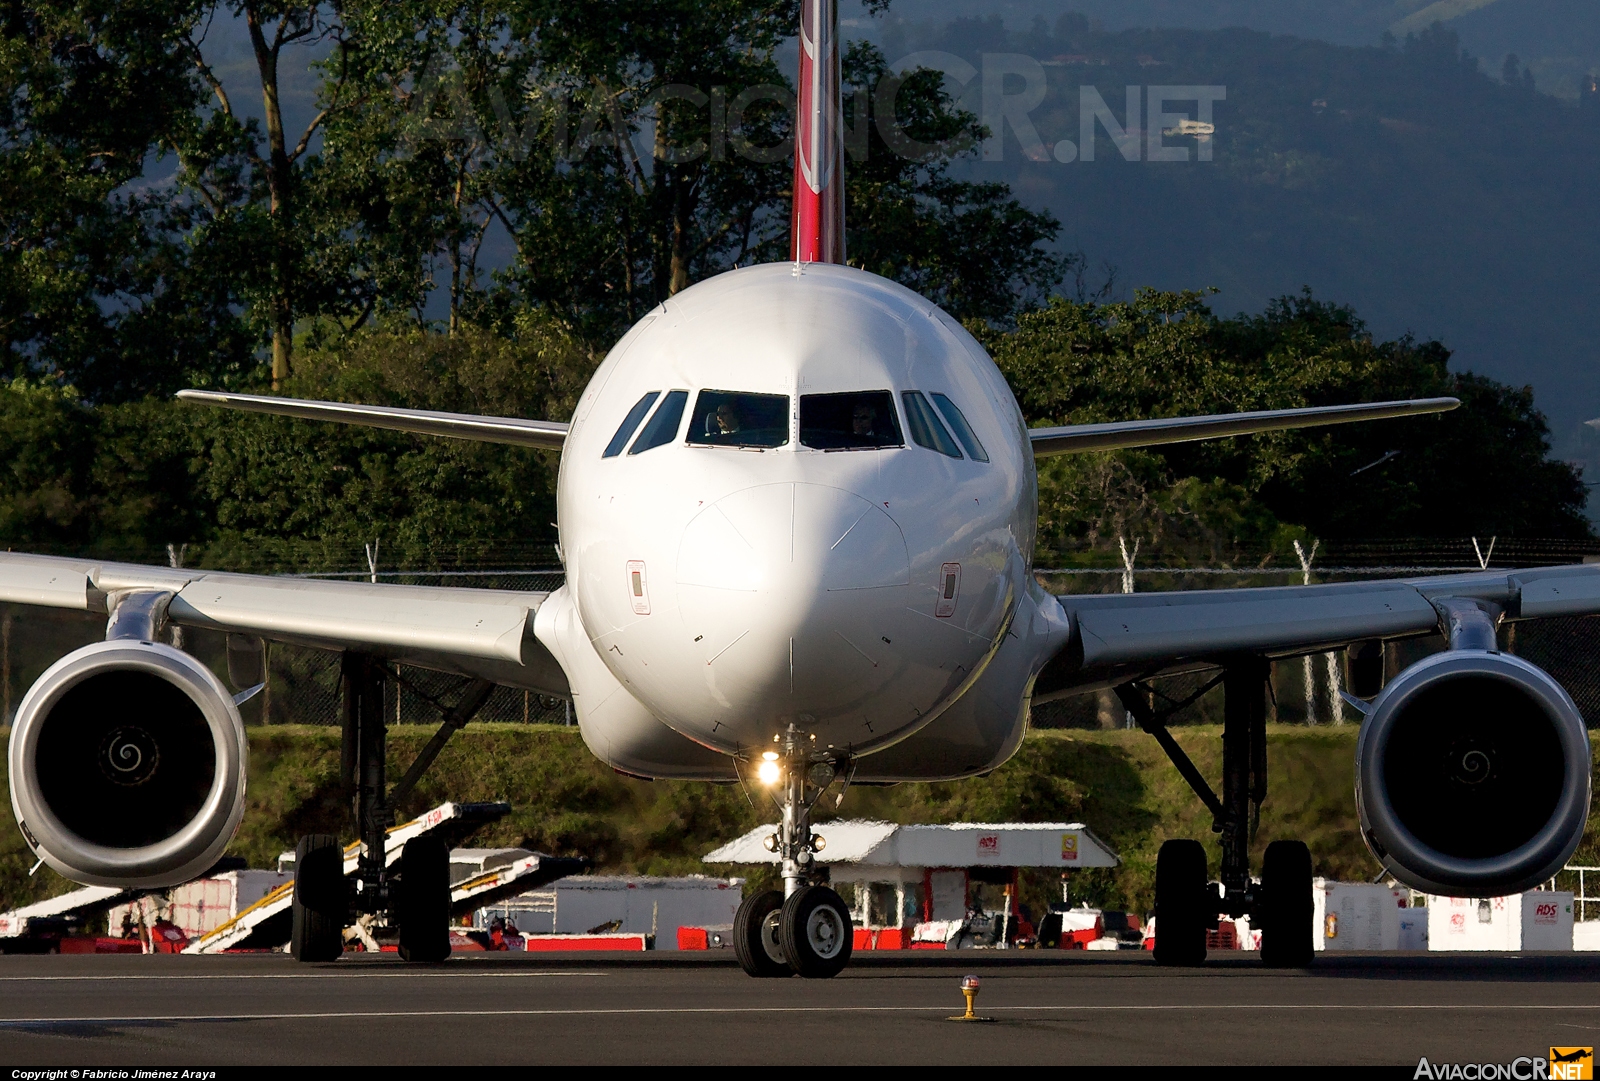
column 303, row 685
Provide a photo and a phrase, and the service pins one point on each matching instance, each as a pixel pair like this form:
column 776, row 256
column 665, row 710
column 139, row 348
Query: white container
column 1474, row 923
column 1536, row 920
column 1414, row 929
column 1586, row 935
column 1546, row 920
column 1359, row 916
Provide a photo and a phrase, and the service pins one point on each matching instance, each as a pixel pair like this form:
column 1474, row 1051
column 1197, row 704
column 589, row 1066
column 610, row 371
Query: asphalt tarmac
column 476, row 1009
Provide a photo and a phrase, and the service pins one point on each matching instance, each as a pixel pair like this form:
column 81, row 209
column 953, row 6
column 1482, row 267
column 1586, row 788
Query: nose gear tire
column 816, row 932
column 1184, row 907
column 1286, row 907
column 321, row 904
column 756, row 940
column 424, row 901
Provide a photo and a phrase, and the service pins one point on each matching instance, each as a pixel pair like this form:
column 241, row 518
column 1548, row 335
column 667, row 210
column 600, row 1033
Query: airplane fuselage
column 793, row 497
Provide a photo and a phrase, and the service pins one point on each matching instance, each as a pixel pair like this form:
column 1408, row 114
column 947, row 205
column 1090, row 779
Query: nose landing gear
column 806, row 929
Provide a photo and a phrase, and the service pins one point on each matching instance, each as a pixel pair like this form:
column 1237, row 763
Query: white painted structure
column 638, row 904
column 1536, row 920
column 1364, row 916
column 904, row 875
column 856, row 848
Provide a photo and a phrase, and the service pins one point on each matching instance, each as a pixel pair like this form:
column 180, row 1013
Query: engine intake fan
column 128, row 765
column 1473, row 775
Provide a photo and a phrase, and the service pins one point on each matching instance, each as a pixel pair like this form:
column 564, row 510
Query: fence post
column 1127, row 561
column 175, row 554
column 1307, row 671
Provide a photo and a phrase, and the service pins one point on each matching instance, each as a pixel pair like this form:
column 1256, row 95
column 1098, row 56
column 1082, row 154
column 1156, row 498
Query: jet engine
column 1472, row 775
column 128, row 765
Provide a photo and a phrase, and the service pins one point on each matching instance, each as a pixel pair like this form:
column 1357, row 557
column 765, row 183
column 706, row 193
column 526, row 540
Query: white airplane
column 797, row 510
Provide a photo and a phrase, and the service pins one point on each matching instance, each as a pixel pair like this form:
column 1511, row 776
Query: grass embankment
column 565, row 802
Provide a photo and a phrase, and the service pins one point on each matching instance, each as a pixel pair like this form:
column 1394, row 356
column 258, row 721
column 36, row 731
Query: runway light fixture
column 768, row 771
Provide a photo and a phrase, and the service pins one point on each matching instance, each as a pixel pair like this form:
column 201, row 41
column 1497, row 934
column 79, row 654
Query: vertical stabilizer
column 819, row 139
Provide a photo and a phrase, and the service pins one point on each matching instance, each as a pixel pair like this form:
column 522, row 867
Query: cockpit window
column 663, row 427
column 630, row 424
column 958, row 424
column 926, row 430
column 856, row 421
column 725, row 418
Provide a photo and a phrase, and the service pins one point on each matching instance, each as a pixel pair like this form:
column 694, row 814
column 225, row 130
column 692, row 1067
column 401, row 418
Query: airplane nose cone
column 795, row 595
column 789, row 538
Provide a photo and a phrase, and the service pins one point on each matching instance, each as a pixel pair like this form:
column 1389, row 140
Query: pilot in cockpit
column 725, row 421
column 863, row 420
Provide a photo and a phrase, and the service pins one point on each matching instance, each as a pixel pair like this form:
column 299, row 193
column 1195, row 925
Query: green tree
column 96, row 283
column 970, row 247
column 252, row 183
column 1482, row 469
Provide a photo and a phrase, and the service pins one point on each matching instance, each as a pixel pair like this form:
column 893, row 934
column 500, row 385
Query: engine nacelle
column 1473, row 775
column 128, row 765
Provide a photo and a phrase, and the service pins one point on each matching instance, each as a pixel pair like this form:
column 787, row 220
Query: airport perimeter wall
column 565, row 802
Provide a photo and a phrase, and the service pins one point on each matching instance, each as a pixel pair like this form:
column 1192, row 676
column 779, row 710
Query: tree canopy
column 1481, row 469
column 486, row 194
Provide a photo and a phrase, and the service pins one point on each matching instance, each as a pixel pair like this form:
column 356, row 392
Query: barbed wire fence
column 1304, row 691
column 303, row 685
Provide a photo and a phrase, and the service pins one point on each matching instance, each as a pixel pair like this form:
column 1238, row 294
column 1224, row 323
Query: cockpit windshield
column 859, row 420
column 725, row 418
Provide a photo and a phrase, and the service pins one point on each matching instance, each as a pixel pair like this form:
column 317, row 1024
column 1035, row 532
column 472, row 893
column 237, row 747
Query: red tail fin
column 818, row 228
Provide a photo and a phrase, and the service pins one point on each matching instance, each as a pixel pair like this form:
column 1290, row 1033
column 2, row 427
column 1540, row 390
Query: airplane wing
column 544, row 434
column 487, row 634
column 1117, row 637
column 1117, row 435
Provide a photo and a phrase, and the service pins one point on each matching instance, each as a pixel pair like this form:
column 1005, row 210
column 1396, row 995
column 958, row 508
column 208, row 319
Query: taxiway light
column 969, row 989
column 769, row 772
column 818, row 842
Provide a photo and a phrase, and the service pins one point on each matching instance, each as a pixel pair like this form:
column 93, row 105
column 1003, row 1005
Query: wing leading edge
column 480, row 632
column 1119, row 435
column 543, row 434
column 1116, row 637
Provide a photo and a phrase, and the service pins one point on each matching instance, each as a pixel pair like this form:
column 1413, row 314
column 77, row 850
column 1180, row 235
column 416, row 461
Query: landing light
column 768, row 771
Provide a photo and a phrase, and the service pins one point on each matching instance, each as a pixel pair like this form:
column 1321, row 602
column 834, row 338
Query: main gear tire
column 1286, row 911
column 423, row 904
column 321, row 904
column 1184, row 905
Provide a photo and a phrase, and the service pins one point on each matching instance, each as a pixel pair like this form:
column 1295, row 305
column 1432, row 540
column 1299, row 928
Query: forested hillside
column 1412, row 181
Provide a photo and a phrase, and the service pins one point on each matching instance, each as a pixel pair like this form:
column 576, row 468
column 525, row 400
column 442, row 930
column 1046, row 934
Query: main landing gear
column 1187, row 906
column 412, row 895
column 806, row 929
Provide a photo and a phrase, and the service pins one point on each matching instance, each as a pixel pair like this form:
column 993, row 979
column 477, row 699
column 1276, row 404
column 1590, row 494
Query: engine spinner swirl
column 129, row 755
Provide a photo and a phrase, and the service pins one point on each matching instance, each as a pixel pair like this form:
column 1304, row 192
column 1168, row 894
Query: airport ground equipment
column 267, row 924
column 34, row 927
